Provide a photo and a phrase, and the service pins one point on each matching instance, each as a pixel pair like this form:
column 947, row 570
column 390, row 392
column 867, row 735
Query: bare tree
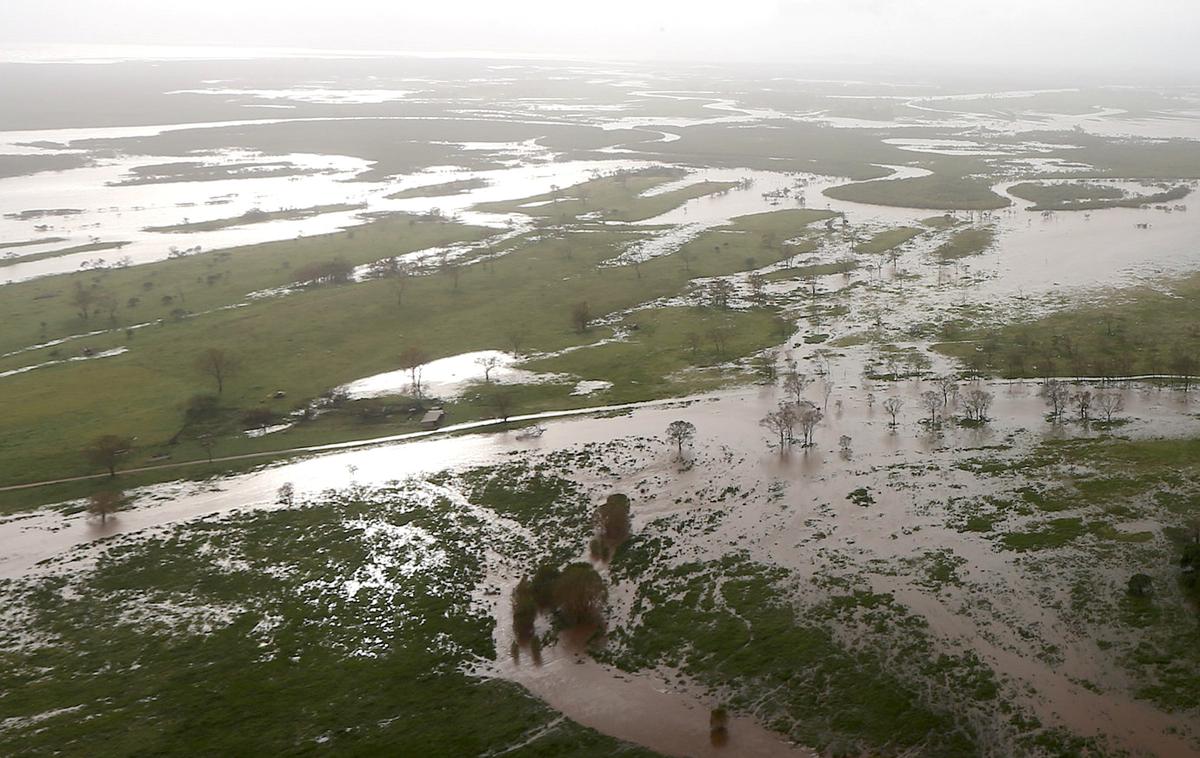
column 397, row 271
column 451, row 268
column 502, row 401
column 781, row 422
column 286, row 494
column 893, row 405
column 1056, row 395
column 794, row 384
column 412, row 360
column 1110, row 404
column 105, row 451
column 808, row 416
column 516, row 335
column 218, row 365
column 932, row 402
column 826, row 391
column 207, row 443
column 681, row 433
column 977, row 403
column 1082, row 401
column 488, row 363
column 949, row 388
column 581, row 317
column 105, row 503
column 720, row 338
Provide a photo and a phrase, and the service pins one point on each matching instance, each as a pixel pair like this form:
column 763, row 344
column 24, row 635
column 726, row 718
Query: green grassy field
column 953, row 185
column 1128, row 333
column 610, row 198
column 1083, row 196
column 965, row 243
column 255, row 217
column 248, row 636
column 306, row 343
column 887, row 240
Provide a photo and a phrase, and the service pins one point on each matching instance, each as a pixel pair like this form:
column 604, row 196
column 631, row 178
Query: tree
column 581, row 317
column 1140, row 586
column 780, row 422
column 84, row 299
column 579, row 595
column 516, row 334
column 542, row 586
column 1082, row 401
column 977, row 403
column 286, row 494
column 412, row 360
column 719, row 292
column 612, row 519
column 893, row 405
column 397, row 271
column 1110, row 404
column 451, row 268
column 932, row 402
column 808, row 416
column 105, row 503
column 106, row 450
column 794, row 385
column 949, row 388
column 502, row 401
column 1056, row 395
column 681, row 433
column 1184, row 366
column 487, row 363
column 524, row 612
column 218, row 365
column 207, row 443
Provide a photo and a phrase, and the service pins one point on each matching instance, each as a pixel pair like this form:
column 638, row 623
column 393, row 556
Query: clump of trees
column 612, row 525
column 574, row 597
column 783, row 422
column 977, row 402
column 327, row 272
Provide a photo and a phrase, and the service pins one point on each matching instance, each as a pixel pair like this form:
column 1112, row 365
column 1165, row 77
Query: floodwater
column 1036, row 255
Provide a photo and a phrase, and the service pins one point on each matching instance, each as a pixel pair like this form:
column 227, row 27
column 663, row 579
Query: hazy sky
column 1150, row 34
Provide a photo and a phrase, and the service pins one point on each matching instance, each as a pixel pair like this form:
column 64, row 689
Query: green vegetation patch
column 965, row 243
column 355, row 612
column 887, row 240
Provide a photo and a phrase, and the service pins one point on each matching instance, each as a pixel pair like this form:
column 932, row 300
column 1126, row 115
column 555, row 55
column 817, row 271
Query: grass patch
column 887, row 240
column 966, row 243
column 255, row 216
column 355, row 611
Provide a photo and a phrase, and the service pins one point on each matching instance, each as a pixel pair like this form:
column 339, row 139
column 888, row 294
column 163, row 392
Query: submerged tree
column 794, row 385
column 612, row 520
column 1057, row 395
column 932, row 402
column 1110, row 404
column 977, row 403
column 524, row 612
column 106, row 503
column 681, row 433
column 579, row 595
column 780, row 422
column 893, row 405
column 808, row 416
